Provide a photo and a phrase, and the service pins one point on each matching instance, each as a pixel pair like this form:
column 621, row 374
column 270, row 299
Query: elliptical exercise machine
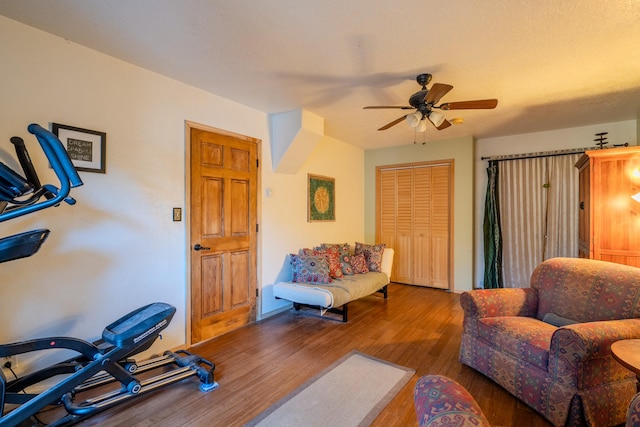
column 98, row 364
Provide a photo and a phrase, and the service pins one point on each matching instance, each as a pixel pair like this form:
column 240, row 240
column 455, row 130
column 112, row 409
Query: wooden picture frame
column 87, row 148
column 321, row 200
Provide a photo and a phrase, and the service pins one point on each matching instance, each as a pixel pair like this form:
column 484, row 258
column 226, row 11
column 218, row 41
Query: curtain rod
column 539, row 154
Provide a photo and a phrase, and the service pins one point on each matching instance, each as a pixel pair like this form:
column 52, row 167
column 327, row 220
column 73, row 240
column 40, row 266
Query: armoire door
column 414, row 217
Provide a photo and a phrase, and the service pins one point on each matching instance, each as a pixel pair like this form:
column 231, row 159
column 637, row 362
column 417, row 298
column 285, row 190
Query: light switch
column 177, row 214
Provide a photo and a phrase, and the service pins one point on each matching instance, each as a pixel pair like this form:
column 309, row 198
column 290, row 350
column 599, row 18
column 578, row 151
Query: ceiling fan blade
column 393, row 123
column 437, row 91
column 482, row 104
column 401, row 107
column 444, row 125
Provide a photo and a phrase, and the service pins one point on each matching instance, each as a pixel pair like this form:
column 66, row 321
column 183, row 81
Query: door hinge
column 257, row 228
column 257, row 292
column 257, row 163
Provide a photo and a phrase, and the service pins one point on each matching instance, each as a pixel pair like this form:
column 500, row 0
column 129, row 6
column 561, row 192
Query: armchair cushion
column 521, row 337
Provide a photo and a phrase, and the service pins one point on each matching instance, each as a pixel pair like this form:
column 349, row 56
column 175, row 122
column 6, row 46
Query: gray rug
column 350, row 392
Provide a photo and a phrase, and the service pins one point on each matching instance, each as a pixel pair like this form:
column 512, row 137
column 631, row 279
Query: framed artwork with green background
column 322, row 198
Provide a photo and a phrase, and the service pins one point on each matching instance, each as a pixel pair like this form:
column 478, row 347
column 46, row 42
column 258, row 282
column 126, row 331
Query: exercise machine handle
column 63, row 168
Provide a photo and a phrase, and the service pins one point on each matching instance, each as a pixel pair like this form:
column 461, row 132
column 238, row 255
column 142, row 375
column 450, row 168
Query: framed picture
column 87, row 148
column 322, row 198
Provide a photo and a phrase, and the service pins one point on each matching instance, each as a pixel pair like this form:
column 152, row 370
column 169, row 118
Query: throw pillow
column 310, row 269
column 359, row 264
column 558, row 321
column 345, row 256
column 372, row 253
column 333, row 259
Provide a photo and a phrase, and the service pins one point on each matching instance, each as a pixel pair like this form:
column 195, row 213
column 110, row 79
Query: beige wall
column 461, row 151
column 284, row 213
column 118, row 247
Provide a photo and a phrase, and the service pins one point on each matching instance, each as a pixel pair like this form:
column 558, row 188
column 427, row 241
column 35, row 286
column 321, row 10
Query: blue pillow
column 559, row 321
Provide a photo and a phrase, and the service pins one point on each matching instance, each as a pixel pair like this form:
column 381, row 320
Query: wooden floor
column 260, row 363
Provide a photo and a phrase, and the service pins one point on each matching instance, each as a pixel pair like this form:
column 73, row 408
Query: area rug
column 350, row 392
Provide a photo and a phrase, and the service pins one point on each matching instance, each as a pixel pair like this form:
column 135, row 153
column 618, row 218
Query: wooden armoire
column 609, row 219
column 414, row 205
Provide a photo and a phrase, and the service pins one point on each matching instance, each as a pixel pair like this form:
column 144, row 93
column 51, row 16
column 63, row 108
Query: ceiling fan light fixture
column 422, row 126
column 436, row 118
column 414, row 119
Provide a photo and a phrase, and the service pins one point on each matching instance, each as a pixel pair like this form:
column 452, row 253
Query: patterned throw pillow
column 345, row 256
column 345, row 263
column 310, row 269
column 333, row 259
column 359, row 264
column 372, row 253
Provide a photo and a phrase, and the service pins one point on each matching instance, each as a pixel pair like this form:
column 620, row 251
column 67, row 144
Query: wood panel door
column 223, row 233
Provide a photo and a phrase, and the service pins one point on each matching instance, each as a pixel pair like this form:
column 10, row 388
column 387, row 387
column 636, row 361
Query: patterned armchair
column 633, row 413
column 441, row 402
column 566, row 373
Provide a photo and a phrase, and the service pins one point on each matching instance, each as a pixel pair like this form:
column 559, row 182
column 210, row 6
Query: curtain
column 522, row 212
column 562, row 212
column 538, row 212
column 492, row 233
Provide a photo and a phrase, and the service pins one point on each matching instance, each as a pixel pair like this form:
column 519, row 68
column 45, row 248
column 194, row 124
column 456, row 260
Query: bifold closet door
column 413, row 211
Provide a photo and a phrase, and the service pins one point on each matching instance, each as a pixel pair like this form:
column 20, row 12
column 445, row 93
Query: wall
column 461, row 151
column 118, row 247
column 580, row 137
column 284, row 214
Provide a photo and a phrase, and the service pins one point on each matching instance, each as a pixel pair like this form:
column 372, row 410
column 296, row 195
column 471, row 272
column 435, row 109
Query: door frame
column 187, row 218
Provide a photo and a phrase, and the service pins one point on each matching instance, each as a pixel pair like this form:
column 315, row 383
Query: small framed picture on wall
column 87, row 148
column 321, row 205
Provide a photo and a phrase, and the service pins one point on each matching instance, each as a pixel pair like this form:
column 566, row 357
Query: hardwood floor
column 262, row 362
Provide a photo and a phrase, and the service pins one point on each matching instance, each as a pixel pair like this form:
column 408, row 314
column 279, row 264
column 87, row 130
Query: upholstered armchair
column 563, row 370
column 441, row 402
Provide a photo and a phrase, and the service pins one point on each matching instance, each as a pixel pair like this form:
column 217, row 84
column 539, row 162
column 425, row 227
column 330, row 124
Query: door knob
column 197, row 247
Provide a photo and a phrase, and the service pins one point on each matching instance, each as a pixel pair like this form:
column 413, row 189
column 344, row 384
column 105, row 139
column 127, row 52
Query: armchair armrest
column 500, row 302
column 440, row 401
column 579, row 342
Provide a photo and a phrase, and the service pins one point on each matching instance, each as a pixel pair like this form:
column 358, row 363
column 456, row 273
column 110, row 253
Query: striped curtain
column 538, row 212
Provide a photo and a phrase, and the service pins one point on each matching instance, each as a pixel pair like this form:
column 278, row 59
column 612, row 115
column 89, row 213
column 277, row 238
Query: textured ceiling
column 551, row 64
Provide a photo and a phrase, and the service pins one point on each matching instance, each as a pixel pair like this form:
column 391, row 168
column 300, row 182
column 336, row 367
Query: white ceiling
column 551, row 64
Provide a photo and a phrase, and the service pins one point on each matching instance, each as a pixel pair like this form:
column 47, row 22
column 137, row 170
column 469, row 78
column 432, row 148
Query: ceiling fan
column 424, row 102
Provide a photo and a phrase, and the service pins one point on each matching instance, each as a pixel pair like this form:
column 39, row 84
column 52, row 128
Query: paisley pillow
column 345, row 256
column 359, row 264
column 333, row 259
column 310, row 269
column 372, row 253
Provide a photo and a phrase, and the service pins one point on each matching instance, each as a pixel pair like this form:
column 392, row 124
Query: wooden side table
column 627, row 353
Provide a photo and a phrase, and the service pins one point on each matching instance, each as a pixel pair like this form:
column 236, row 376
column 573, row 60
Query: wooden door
column 223, row 231
column 441, row 218
column 414, row 214
column 386, row 213
column 422, row 218
column 404, row 220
